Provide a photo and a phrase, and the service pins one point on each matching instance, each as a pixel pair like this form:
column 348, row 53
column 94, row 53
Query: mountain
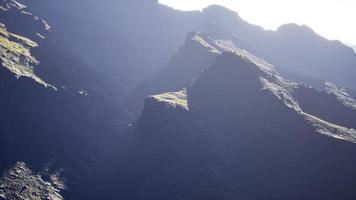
column 137, row 37
column 297, row 51
column 83, row 115
column 239, row 132
column 154, row 32
column 293, row 48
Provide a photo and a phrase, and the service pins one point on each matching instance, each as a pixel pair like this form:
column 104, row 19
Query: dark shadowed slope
column 237, row 132
column 127, row 40
column 196, row 54
column 328, row 106
column 58, row 117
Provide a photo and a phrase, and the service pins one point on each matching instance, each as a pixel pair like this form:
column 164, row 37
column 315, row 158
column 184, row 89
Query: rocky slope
column 22, row 183
column 229, row 135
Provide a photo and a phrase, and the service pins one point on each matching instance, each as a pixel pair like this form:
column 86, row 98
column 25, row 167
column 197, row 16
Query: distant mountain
column 153, row 33
column 293, row 48
column 233, row 131
column 136, row 36
column 354, row 48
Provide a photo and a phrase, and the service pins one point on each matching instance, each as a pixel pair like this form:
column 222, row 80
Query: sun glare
column 333, row 19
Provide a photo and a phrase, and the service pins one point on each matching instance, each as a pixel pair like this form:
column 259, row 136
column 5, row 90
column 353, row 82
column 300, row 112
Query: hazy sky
column 333, row 19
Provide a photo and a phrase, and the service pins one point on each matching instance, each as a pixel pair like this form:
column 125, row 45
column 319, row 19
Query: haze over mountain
column 145, row 34
column 227, row 142
column 354, row 47
column 135, row 100
column 330, row 18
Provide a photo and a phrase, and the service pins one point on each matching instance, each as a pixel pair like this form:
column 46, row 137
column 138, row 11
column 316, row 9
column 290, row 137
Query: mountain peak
column 219, row 10
column 297, row 31
column 295, row 27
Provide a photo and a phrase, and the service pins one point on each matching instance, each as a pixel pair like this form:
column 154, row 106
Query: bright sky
column 333, row 19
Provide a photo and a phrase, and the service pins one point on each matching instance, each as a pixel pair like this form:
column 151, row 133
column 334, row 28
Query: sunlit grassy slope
column 15, row 55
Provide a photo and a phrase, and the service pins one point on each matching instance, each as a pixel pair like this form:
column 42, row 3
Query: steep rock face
column 259, row 79
column 260, row 143
column 169, row 156
column 191, row 58
column 329, row 107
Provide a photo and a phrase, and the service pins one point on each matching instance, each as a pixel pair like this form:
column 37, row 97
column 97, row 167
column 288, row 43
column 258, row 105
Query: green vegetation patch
column 15, row 55
column 173, row 99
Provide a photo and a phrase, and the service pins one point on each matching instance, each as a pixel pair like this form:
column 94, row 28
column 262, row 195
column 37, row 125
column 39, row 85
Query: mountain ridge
column 231, row 128
column 144, row 108
column 219, row 22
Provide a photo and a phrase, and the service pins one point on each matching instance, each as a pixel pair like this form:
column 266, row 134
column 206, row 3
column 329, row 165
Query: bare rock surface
column 21, row 183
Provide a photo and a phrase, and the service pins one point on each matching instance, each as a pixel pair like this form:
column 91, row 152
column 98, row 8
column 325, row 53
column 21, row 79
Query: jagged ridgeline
column 241, row 131
column 201, row 50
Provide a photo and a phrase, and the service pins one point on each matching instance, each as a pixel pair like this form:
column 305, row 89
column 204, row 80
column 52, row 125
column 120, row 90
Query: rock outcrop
column 22, row 183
